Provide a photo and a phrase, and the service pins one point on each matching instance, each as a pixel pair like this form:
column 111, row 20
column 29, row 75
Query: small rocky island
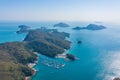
column 79, row 42
column 117, row 78
column 70, row 57
column 90, row 27
column 61, row 25
column 15, row 56
column 23, row 29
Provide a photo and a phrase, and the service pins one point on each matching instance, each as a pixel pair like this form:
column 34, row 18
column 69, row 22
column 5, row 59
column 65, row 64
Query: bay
column 99, row 53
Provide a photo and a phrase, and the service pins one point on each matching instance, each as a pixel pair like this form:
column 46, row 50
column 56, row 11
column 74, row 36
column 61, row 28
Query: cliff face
column 14, row 56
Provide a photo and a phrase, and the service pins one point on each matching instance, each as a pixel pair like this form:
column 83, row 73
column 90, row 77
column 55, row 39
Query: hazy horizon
column 60, row 10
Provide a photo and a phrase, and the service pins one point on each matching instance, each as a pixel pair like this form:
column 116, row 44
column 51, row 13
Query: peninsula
column 48, row 42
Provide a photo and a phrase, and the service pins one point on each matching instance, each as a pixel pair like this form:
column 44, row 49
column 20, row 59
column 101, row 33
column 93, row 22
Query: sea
column 99, row 52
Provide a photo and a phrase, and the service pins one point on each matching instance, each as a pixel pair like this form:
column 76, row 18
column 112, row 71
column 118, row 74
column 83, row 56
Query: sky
column 60, row 10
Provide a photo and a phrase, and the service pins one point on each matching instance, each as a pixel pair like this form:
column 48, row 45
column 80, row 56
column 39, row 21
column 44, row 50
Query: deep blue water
column 99, row 52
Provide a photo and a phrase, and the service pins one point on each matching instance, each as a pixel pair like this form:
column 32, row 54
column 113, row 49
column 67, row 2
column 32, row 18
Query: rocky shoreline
column 68, row 57
column 31, row 65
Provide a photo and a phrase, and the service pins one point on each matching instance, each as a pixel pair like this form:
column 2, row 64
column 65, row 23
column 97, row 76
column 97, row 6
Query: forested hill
column 14, row 57
column 47, row 42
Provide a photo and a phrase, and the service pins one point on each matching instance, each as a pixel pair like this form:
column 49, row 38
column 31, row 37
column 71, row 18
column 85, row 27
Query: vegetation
column 46, row 42
column 13, row 61
column 18, row 52
column 14, row 56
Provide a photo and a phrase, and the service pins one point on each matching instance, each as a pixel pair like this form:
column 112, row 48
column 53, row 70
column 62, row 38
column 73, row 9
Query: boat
column 53, row 63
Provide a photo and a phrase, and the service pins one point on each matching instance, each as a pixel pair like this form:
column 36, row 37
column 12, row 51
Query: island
column 117, row 78
column 78, row 28
column 70, row 57
column 16, row 56
column 90, row 27
column 79, row 42
column 23, row 29
column 61, row 25
column 95, row 27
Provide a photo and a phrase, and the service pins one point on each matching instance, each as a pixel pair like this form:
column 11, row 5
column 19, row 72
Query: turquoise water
column 99, row 52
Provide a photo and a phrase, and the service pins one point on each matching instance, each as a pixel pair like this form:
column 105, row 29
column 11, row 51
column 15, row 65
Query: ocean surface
column 99, row 53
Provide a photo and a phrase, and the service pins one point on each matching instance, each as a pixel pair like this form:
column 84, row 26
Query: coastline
column 63, row 55
column 31, row 65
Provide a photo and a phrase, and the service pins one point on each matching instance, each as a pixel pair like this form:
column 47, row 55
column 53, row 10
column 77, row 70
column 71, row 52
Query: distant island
column 95, row 27
column 23, row 29
column 78, row 28
column 90, row 27
column 61, row 25
column 15, row 56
